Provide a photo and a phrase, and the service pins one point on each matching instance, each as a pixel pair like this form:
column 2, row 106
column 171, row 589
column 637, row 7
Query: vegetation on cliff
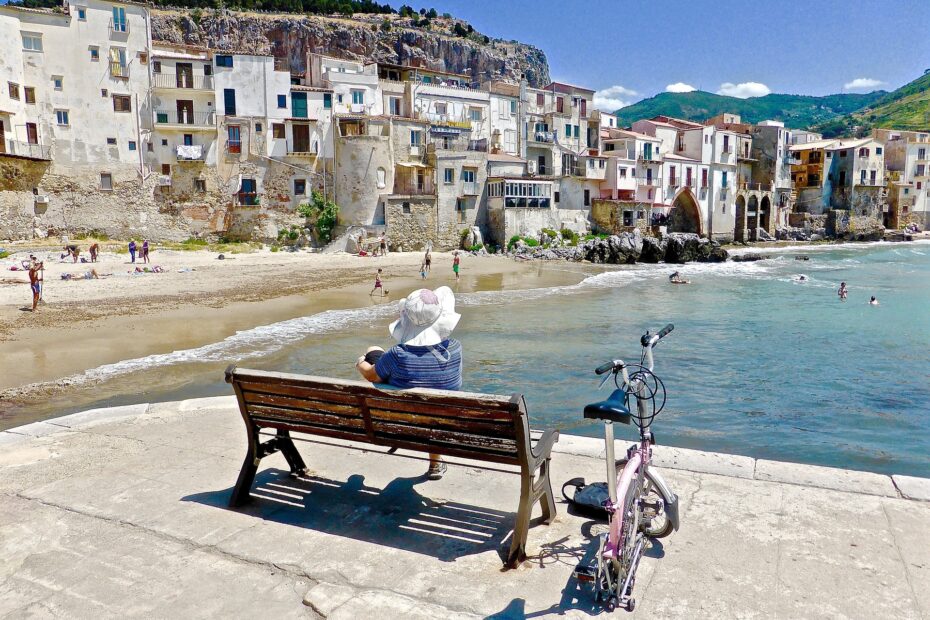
column 906, row 108
column 796, row 111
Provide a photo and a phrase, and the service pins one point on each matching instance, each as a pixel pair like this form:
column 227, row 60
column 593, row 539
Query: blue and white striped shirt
column 438, row 367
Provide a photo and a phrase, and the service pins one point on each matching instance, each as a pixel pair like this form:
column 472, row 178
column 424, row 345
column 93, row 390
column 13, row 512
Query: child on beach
column 378, row 285
column 423, row 270
column 456, row 260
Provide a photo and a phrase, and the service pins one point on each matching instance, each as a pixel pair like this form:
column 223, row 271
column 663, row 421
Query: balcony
column 119, row 28
column 233, row 147
column 470, row 188
column 185, row 119
column 302, row 149
column 654, row 159
column 546, row 137
column 119, row 70
column 411, row 185
column 247, row 199
column 15, row 148
column 448, row 120
column 185, row 81
column 189, row 152
column 921, row 172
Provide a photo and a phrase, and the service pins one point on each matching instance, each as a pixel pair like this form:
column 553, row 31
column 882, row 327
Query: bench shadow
column 396, row 516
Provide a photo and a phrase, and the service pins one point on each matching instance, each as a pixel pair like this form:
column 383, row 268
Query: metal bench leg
column 522, row 526
column 240, row 494
column 546, row 499
column 291, row 455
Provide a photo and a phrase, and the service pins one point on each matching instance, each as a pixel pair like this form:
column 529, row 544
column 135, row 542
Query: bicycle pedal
column 585, row 572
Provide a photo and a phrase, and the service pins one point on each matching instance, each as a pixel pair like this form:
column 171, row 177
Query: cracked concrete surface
column 123, row 514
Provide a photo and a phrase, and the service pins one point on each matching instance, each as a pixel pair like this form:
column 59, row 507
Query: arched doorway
column 739, row 232
column 752, row 218
column 685, row 215
column 765, row 214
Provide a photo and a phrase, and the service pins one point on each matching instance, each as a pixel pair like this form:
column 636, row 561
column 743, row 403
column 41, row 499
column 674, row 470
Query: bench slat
column 298, row 391
column 290, row 402
column 304, row 416
column 465, row 441
column 458, row 410
column 469, row 425
column 322, row 431
column 444, row 449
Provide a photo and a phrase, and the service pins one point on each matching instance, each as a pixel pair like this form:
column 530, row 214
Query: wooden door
column 301, row 139
column 32, row 133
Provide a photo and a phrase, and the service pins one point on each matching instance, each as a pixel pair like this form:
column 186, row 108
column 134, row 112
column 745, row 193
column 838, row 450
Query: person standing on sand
column 35, row 282
column 94, row 250
column 145, row 250
column 843, row 292
column 456, row 260
column 132, row 250
column 427, row 261
column 425, row 356
column 379, row 285
column 382, row 245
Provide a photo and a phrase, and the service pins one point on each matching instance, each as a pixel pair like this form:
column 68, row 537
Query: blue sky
column 638, row 48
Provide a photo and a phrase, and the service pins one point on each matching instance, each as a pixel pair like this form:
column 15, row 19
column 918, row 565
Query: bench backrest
column 480, row 426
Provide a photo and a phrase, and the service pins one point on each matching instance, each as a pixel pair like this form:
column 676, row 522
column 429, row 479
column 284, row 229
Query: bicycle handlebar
column 666, row 331
column 606, row 366
column 648, row 341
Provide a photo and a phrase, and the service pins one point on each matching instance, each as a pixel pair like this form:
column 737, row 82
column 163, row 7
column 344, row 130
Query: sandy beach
column 197, row 300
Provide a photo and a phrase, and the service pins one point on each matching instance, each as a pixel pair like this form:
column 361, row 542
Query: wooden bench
column 478, row 427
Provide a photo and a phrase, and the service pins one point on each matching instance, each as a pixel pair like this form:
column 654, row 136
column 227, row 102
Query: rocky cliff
column 364, row 37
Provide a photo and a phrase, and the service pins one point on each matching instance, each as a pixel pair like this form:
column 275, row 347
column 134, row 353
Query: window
column 405, row 207
column 122, row 103
column 555, row 197
column 468, row 175
column 382, row 175
column 338, row 98
column 601, row 163
column 394, row 106
column 587, row 198
column 842, row 153
column 568, row 131
column 224, row 61
column 327, row 101
column 14, row 90
column 459, row 204
column 132, row 145
column 448, row 175
column 282, row 101
column 188, row 139
column 474, row 114
column 104, row 92
column 300, row 187
column 111, row 141
column 106, row 181
column 919, row 185
column 61, row 116
column 143, row 58
column 32, row 133
column 878, row 150
column 440, row 108
column 622, row 172
column 200, row 185
column 166, row 169
column 82, row 14
column 94, row 53
column 32, row 42
column 156, row 66
column 119, row 20
column 299, row 105
column 415, row 137
column 513, row 107
column 30, row 94
column 208, row 69
column 358, row 97
column 229, row 101
column 559, row 104
column 233, row 139
column 58, row 82
column 577, row 132
column 540, row 99
column 277, row 130
column 258, row 127
column 118, row 66
column 862, row 176
column 921, row 154
column 723, row 182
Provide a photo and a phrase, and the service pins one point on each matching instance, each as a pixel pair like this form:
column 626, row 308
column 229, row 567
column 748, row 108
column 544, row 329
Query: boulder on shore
column 689, row 247
column 624, row 248
column 748, row 257
column 653, row 250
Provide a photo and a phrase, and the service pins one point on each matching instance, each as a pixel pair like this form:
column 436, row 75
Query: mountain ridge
column 796, row 111
column 905, row 108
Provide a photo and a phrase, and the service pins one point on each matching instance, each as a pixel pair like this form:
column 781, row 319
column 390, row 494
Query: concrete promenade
column 121, row 513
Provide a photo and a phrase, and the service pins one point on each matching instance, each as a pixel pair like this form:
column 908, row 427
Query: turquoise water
column 759, row 363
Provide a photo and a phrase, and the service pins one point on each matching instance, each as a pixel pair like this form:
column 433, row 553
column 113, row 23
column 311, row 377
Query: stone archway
column 685, row 215
column 752, row 217
column 765, row 214
column 739, row 232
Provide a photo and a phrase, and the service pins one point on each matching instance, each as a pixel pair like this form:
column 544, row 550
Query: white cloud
column 743, row 90
column 613, row 98
column 679, row 87
column 862, row 84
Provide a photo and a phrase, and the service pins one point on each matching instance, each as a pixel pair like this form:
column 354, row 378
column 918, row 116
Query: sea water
column 761, row 362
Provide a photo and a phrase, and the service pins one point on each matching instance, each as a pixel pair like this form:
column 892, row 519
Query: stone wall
column 841, row 224
column 607, row 216
column 412, row 222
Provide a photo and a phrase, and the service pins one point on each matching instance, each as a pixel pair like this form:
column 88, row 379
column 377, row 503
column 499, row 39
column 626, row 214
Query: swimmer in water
column 802, row 278
column 675, row 278
column 873, row 301
column 843, row 292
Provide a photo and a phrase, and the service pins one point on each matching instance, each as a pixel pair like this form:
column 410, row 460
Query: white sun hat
column 426, row 317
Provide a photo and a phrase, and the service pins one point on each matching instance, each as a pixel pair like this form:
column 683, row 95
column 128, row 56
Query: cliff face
column 293, row 36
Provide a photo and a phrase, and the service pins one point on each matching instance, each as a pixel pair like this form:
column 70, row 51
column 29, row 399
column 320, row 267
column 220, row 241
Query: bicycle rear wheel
column 654, row 523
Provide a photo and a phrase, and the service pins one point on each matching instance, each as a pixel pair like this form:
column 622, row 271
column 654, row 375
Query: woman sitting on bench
column 426, row 357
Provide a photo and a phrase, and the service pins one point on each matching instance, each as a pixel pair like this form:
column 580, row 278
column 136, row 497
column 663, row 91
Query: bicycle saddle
column 614, row 408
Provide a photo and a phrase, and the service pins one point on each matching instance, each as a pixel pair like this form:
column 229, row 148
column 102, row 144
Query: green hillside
column 905, row 108
column 796, row 111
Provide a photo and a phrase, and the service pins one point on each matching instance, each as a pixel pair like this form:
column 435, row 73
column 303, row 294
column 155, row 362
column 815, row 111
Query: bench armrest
column 542, row 450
